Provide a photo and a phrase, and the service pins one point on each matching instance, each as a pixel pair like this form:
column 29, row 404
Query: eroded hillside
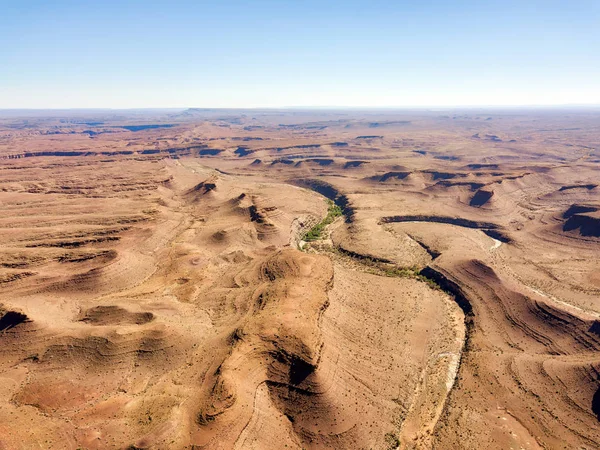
column 171, row 287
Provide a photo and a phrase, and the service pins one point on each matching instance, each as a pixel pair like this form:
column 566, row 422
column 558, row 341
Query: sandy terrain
column 158, row 289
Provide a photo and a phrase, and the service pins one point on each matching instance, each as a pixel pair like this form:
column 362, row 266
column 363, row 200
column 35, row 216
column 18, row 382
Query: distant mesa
column 352, row 164
column 89, row 123
column 299, row 147
column 209, row 152
column 135, row 128
column 482, row 166
column 388, row 123
column 197, row 110
column 319, row 161
column 397, row 175
column 301, row 126
column 370, row 137
column 489, row 137
column 282, row 161
column 470, row 184
column 243, row 151
column 445, row 157
column 57, row 132
column 493, row 137
column 171, row 151
column 443, row 175
column 247, row 138
column 228, row 120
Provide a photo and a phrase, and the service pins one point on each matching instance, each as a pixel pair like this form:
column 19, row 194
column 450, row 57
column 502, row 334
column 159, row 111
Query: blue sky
column 130, row 54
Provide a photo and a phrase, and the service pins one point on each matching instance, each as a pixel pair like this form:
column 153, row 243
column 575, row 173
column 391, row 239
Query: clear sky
column 277, row 53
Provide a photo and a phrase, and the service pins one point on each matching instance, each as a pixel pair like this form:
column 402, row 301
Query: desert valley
column 301, row 279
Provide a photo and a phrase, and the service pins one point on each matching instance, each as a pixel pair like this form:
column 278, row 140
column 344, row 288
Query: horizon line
column 311, row 107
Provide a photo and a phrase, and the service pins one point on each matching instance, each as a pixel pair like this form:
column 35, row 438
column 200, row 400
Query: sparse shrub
column 391, row 441
column 316, row 232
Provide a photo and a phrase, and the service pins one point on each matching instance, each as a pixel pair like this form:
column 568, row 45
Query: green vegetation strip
column 374, row 267
column 316, row 232
column 368, row 264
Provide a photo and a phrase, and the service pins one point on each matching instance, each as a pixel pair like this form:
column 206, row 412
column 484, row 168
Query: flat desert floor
column 221, row 279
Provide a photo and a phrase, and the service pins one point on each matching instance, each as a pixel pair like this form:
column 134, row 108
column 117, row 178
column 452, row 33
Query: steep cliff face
column 481, row 197
column 588, row 224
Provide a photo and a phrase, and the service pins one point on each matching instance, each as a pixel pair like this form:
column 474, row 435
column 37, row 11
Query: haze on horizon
column 136, row 54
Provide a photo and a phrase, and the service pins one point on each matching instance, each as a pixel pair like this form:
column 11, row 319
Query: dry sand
column 156, row 292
